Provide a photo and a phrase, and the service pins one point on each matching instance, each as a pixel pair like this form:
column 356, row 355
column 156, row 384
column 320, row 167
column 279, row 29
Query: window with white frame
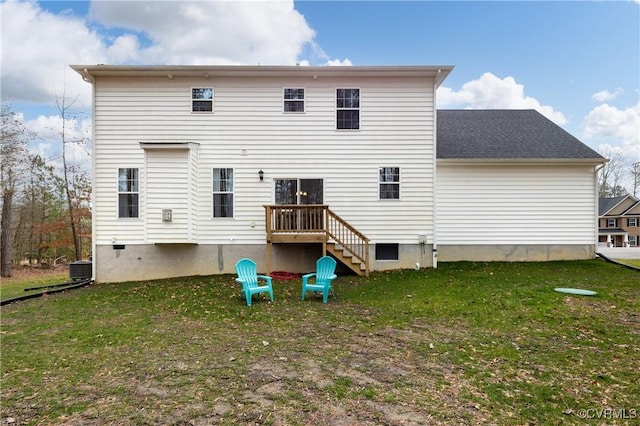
column 202, row 99
column 389, row 182
column 611, row 223
column 633, row 240
column 222, row 192
column 293, row 100
column 128, row 192
column 348, row 109
column 632, row 221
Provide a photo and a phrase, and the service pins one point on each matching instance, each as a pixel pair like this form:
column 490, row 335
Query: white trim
column 335, row 106
column 303, row 100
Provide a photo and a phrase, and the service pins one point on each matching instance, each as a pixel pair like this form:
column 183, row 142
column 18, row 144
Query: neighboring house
column 619, row 222
column 195, row 167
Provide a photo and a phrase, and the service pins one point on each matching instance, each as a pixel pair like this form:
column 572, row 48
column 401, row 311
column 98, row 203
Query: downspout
column 597, row 202
column 91, row 80
column 434, row 251
column 88, row 77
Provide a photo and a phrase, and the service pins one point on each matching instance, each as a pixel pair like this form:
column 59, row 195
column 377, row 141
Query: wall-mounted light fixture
column 261, row 175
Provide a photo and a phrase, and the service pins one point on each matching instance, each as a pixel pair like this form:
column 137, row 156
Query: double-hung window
column 633, row 240
column 389, row 182
column 222, row 192
column 128, row 192
column 293, row 100
column 348, row 109
column 202, row 99
column 632, row 221
column 611, row 223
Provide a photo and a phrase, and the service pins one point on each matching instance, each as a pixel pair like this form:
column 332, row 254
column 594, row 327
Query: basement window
column 387, row 251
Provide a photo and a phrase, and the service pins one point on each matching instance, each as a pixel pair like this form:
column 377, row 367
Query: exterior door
column 299, row 191
column 310, row 191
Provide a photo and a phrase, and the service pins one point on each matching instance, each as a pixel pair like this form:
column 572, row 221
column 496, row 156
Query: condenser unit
column 80, row 270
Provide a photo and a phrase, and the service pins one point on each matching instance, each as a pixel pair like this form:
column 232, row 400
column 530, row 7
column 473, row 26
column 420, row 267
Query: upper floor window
column 632, row 221
column 348, row 108
column 611, row 223
column 128, row 192
column 293, row 100
column 222, row 192
column 202, row 99
column 389, row 182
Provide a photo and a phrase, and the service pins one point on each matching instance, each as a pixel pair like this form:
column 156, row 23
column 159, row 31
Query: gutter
column 86, row 76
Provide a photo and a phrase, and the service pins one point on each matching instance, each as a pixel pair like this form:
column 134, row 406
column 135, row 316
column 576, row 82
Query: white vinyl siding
column 515, row 204
column 249, row 132
column 169, row 187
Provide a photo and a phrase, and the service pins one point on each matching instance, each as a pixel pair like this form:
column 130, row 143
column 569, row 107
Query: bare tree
column 635, row 177
column 63, row 110
column 13, row 152
column 611, row 175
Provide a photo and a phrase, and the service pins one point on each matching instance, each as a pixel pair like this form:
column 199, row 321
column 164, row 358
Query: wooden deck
column 316, row 223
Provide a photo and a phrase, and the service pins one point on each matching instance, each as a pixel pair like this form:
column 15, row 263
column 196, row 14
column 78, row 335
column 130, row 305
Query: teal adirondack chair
column 250, row 280
column 325, row 273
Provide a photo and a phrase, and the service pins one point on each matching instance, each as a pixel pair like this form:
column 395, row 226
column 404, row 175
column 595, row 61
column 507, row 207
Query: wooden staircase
column 317, row 223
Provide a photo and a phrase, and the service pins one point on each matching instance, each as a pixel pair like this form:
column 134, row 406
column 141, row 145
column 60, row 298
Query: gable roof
column 605, row 205
column 507, row 135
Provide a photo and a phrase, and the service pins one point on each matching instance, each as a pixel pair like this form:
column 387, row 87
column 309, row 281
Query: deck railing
column 285, row 223
column 346, row 236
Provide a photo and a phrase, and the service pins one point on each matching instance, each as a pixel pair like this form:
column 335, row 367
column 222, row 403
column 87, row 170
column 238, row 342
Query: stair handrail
column 351, row 240
column 334, row 228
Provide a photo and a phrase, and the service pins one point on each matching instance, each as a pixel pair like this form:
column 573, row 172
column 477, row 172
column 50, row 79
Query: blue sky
column 577, row 62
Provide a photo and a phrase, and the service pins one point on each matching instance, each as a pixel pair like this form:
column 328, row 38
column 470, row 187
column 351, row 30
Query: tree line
column 46, row 215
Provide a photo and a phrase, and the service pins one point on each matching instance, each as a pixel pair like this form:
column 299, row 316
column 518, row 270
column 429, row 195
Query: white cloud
column 338, row 62
column 612, row 126
column 210, row 32
column 491, row 92
column 37, row 47
column 606, row 95
column 35, row 62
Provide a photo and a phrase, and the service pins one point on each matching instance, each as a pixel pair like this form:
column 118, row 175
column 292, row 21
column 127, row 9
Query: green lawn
column 466, row 343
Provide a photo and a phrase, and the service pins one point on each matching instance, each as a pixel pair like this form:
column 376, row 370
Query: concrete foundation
column 149, row 261
column 515, row 252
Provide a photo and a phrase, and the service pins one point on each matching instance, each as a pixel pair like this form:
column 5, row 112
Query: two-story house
column 195, row 167
column 619, row 221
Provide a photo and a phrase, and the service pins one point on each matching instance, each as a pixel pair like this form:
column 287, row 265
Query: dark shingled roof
column 606, row 204
column 506, row 134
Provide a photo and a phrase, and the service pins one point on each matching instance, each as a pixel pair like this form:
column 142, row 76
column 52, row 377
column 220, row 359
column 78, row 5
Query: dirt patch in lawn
column 27, row 273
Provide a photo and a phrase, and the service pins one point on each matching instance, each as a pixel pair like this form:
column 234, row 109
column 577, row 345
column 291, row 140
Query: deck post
column 268, row 258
